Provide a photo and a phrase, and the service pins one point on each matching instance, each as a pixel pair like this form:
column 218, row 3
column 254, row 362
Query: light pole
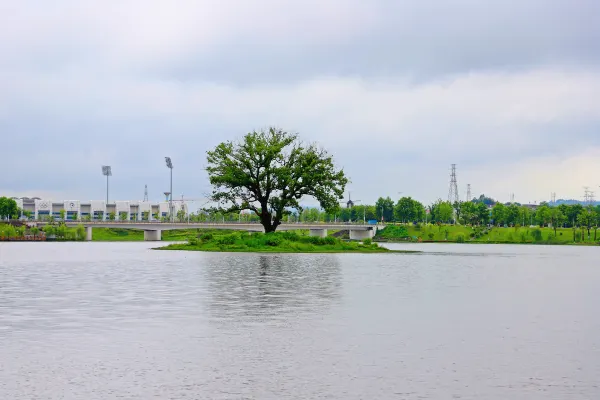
column 106, row 171
column 170, row 166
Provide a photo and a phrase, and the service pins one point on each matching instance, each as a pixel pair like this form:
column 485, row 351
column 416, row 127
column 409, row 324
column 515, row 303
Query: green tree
column 406, row 210
column 34, row 231
column 586, row 219
column 483, row 213
column 8, row 208
column 145, row 215
column 80, row 232
column 112, row 216
column 75, row 215
column 384, row 207
column 444, row 211
column 62, row 215
column 268, row 172
column 556, row 218
column 181, row 215
column 122, row 216
column 499, row 214
column 542, row 215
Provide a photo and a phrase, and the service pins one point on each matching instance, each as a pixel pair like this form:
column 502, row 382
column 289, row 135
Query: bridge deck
column 256, row 227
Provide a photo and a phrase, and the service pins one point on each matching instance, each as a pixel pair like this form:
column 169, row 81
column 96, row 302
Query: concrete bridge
column 153, row 230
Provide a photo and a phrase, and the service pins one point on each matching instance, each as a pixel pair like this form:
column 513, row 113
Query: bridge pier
column 318, row 232
column 155, row 235
column 361, row 235
column 88, row 233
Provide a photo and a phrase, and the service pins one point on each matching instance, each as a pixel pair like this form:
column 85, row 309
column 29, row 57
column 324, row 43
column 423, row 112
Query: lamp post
column 106, row 171
column 170, row 166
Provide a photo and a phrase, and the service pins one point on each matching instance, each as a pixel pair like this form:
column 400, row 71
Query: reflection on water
column 270, row 286
column 101, row 321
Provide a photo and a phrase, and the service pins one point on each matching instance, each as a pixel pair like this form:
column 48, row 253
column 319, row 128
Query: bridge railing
column 206, row 223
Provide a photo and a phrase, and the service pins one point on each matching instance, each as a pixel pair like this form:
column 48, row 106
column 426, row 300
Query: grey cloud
column 396, row 90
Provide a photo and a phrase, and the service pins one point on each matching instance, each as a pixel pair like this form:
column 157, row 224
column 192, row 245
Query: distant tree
column 112, row 216
column 586, row 219
column 444, row 211
column 408, row 210
column 34, row 231
column 181, row 215
column 75, row 216
column 8, row 208
column 485, row 200
column 122, row 216
column 385, row 207
column 62, row 213
column 499, row 214
column 556, row 218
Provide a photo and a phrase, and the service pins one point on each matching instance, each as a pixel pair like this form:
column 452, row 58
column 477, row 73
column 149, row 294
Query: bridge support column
column 88, row 233
column 318, row 232
column 153, row 235
column 361, row 235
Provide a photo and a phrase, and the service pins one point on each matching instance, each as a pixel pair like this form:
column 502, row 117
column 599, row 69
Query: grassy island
column 276, row 242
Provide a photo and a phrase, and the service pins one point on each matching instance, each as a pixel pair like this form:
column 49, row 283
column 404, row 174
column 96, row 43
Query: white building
column 98, row 210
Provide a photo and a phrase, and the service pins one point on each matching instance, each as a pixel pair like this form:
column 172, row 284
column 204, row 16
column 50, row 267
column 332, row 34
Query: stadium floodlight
column 170, row 166
column 106, row 171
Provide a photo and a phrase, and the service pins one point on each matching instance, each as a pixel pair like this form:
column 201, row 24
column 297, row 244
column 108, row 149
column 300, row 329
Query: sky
column 397, row 91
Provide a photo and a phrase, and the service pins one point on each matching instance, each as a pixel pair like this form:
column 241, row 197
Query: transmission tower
column 553, row 197
column 512, row 198
column 468, row 192
column 453, row 190
column 145, row 192
column 586, row 195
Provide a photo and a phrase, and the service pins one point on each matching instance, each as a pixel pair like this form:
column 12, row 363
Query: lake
column 120, row 321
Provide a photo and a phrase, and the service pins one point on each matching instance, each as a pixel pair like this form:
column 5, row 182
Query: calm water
column 119, row 321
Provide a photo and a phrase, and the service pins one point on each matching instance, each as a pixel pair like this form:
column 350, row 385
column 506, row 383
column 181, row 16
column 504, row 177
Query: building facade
column 99, row 210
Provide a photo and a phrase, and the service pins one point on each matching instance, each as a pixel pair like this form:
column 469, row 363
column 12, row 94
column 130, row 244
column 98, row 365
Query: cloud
column 397, row 91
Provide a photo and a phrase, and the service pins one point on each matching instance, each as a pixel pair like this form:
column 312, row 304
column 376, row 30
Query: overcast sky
column 396, row 90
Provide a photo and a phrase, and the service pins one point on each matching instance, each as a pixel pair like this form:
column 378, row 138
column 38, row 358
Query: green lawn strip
column 467, row 234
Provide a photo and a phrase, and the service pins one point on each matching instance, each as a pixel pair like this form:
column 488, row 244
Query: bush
column 418, row 226
column 368, row 242
column 227, row 239
column 206, row 237
column 329, row 240
column 431, row 235
column 460, row 238
column 536, row 234
column 272, row 239
column 291, row 236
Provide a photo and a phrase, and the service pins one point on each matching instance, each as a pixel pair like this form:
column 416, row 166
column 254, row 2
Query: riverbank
column 490, row 235
column 278, row 242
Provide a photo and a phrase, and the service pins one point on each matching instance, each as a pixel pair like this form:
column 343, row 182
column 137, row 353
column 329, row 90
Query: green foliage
column 368, row 242
column 460, row 238
column 393, row 232
column 277, row 242
column 287, row 171
column 8, row 208
column 536, row 234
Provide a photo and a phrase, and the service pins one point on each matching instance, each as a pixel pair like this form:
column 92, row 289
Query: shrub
column 206, row 237
column 329, row 240
column 291, row 236
column 523, row 237
column 536, row 234
column 460, row 238
column 418, row 226
column 368, row 242
column 431, row 235
column 273, row 239
column 227, row 239
column 193, row 241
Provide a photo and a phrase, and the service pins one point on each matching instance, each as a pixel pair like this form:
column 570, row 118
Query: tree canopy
column 268, row 172
column 8, row 208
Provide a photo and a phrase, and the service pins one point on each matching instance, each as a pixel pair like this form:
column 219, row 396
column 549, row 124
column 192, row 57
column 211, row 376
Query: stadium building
column 98, row 210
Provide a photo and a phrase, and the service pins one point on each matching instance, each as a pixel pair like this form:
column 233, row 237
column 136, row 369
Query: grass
column 467, row 234
column 278, row 242
column 134, row 235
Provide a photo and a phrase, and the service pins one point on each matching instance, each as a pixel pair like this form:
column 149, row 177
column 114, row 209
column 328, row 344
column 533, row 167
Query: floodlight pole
column 107, row 189
column 171, row 196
